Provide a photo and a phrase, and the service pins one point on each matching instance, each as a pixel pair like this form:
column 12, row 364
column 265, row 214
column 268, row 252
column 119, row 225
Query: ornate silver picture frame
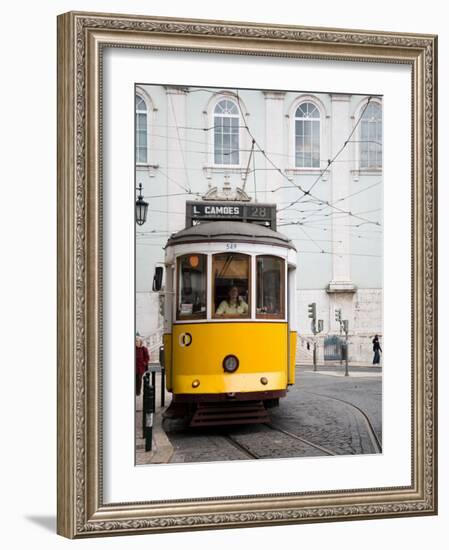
column 83, row 39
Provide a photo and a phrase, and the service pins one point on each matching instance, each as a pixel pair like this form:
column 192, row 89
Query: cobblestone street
column 325, row 413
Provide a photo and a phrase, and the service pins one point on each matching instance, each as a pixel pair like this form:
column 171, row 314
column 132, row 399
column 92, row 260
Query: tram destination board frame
column 83, row 39
column 201, row 211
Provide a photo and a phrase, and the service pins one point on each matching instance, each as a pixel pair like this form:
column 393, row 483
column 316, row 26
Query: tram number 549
column 231, row 246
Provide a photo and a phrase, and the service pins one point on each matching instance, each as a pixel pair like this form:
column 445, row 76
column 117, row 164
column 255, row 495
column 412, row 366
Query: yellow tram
column 230, row 332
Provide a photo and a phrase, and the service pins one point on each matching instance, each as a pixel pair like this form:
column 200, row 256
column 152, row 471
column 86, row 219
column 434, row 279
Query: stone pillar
column 274, row 145
column 340, row 184
column 341, row 288
column 176, row 174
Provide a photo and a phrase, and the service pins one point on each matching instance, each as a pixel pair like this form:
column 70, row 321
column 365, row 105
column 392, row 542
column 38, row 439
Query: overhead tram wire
column 304, row 191
column 340, row 216
column 159, row 245
column 254, row 177
column 320, row 201
column 309, row 201
column 187, row 190
column 211, row 153
column 321, row 224
column 179, row 141
column 310, row 238
column 165, row 195
column 176, row 138
column 317, row 240
column 318, row 216
column 352, row 232
column 349, row 213
column 368, row 235
column 247, row 166
column 199, row 128
column 254, row 169
column 339, row 253
column 165, row 211
column 341, row 199
column 355, row 237
column 358, row 192
column 187, row 140
column 201, row 151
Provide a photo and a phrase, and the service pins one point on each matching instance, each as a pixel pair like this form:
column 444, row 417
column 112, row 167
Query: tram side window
column 231, row 274
column 192, row 270
column 270, row 287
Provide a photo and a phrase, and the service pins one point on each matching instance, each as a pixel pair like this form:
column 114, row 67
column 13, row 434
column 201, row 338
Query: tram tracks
column 245, row 446
column 302, row 439
column 377, row 445
column 239, row 446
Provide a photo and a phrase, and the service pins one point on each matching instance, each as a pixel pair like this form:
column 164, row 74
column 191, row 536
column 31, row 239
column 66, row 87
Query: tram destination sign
column 197, row 212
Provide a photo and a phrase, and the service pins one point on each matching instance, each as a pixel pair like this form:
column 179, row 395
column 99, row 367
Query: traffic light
column 312, row 310
column 338, row 315
column 320, row 325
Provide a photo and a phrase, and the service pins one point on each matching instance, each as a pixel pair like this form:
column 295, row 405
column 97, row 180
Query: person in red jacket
column 142, row 360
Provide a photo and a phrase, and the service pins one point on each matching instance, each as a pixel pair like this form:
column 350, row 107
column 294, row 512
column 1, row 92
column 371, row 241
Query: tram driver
column 233, row 305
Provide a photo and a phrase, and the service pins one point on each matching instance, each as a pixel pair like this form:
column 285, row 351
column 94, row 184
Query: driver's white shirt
column 232, row 309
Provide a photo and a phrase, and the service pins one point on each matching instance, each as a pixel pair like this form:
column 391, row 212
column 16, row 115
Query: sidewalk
column 336, row 364
column 354, row 374
column 336, row 369
column 162, row 449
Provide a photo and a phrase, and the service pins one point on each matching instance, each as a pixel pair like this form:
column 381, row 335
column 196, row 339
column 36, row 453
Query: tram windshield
column 192, row 270
column 231, row 285
column 270, row 287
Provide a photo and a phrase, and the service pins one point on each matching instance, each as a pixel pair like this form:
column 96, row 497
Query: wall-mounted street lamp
column 141, row 207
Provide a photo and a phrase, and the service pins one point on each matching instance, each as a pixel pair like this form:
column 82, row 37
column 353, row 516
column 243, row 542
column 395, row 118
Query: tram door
column 168, row 321
column 292, row 335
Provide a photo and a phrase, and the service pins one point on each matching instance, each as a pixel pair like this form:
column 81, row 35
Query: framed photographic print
column 247, row 274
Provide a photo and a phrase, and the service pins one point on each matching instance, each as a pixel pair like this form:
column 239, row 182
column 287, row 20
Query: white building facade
column 318, row 156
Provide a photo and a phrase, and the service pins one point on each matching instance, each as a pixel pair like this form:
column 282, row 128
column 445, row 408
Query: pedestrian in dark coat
column 377, row 350
column 142, row 360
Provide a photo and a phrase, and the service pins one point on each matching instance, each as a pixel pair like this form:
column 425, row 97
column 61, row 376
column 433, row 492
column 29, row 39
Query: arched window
column 371, row 137
column 307, row 136
column 141, row 131
column 226, row 132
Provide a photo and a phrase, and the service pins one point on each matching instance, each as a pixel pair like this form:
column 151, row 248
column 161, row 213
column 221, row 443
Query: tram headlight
column 230, row 363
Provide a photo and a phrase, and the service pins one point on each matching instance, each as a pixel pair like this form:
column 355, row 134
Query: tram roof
column 230, row 231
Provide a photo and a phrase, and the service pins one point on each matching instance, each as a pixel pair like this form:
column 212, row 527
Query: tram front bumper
column 230, row 383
